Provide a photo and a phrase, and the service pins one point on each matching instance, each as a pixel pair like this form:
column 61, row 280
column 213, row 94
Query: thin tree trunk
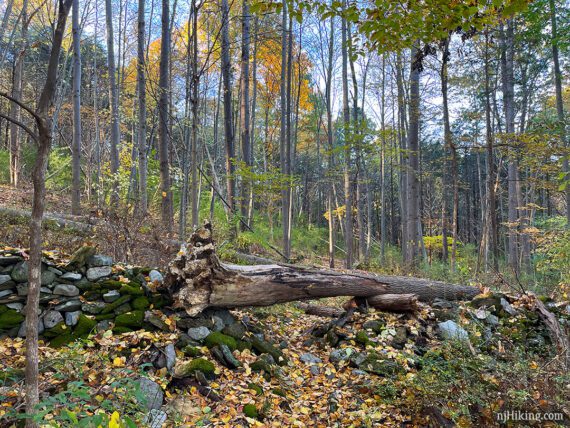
column 328, row 97
column 253, row 114
column 559, row 101
column 15, row 144
column 114, row 97
column 347, row 142
column 228, row 121
column 245, row 113
column 195, row 100
column 413, row 197
column 38, row 205
column 507, row 72
column 141, row 91
column 283, row 137
column 76, row 148
column 164, row 119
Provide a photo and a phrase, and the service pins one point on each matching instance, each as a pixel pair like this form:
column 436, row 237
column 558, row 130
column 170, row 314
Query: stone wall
column 88, row 293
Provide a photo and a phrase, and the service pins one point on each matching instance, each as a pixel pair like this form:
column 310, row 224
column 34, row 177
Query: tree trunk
column 245, row 113
column 141, row 127
column 15, row 144
column 228, row 121
column 76, row 148
column 414, row 244
column 38, row 205
column 164, row 119
column 194, row 137
column 114, row 100
column 328, row 97
column 283, row 136
column 560, row 101
column 197, row 279
column 347, row 143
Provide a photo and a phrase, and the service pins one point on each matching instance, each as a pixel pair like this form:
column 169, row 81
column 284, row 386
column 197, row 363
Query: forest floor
column 410, row 377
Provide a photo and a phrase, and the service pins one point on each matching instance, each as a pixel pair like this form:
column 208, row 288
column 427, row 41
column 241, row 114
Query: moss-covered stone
column 141, row 303
column 242, row 345
column 377, row 364
column 123, row 309
column 198, row 364
column 62, row 340
column 191, row 351
column 92, row 295
column 84, row 284
column 235, row 330
column 216, row 338
column 159, row 301
column 131, row 290
column 264, row 365
column 264, row 347
column 362, row 338
column 80, row 257
column 120, row 329
column 3, row 308
column 102, row 317
column 109, row 284
column 59, row 329
column 84, row 326
column 256, row 388
column 250, row 411
column 10, row 318
column 133, row 319
column 112, row 306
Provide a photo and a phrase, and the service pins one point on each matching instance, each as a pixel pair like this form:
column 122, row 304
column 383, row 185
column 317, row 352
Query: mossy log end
column 196, row 279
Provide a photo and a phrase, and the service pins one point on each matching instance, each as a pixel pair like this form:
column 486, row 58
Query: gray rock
column 315, row 370
column 5, row 293
column 69, row 306
column 359, row 372
column 45, row 290
column 93, row 308
column 374, row 325
column 155, row 276
column 71, row 276
column 66, row 290
column 152, row 393
column 225, row 316
column 9, row 260
column 20, row 272
column 95, row 273
column 8, row 285
column 22, row 330
column 56, row 271
column 111, row 296
column 452, row 331
column 72, row 318
column 492, row 320
column 218, row 323
column 155, row 418
column 4, row 279
column 507, row 307
column 52, row 318
column 123, row 309
column 22, row 289
column 198, row 333
column 103, row 325
column 170, row 354
column 16, row 306
column 47, row 277
column 338, row 355
column 308, row 358
column 99, row 260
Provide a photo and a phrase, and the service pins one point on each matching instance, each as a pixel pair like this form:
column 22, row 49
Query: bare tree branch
column 21, row 125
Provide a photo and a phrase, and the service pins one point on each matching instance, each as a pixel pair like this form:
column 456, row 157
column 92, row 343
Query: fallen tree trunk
column 79, row 223
column 320, row 310
column 196, row 280
column 394, row 302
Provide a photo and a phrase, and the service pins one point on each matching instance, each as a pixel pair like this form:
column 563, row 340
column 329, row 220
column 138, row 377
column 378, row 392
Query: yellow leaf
column 119, row 362
column 115, row 421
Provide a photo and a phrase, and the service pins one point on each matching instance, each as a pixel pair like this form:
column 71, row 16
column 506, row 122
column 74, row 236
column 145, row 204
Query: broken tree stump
column 196, row 279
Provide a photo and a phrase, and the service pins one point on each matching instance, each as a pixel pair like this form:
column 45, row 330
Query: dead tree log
column 320, row 310
column 196, row 279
